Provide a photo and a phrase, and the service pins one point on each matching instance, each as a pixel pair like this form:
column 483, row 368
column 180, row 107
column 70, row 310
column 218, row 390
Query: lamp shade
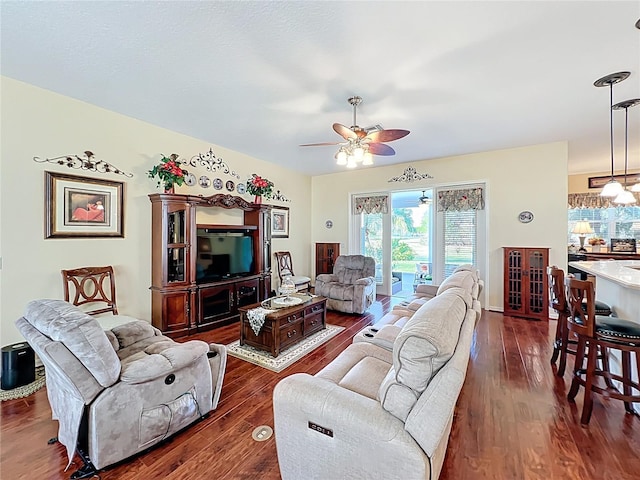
column 582, row 228
column 625, row 197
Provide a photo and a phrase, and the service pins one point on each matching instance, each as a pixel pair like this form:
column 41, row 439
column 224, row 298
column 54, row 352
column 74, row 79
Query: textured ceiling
column 264, row 77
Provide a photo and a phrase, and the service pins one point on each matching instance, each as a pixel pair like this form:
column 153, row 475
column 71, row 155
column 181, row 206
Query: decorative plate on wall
column 230, row 185
column 205, row 182
column 190, row 179
column 525, row 217
column 217, row 184
column 241, row 188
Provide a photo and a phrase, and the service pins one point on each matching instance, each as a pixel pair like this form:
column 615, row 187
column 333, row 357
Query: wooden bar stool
column 563, row 345
column 595, row 333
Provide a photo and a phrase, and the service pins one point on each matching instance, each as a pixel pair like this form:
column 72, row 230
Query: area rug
column 288, row 356
column 25, row 390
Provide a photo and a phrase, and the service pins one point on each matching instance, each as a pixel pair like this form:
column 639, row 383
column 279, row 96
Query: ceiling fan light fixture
column 368, row 160
column 351, row 163
column 341, row 157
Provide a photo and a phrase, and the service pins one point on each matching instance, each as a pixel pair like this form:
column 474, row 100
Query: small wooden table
column 284, row 326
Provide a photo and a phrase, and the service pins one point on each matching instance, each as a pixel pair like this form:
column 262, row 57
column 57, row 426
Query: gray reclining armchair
column 351, row 288
column 118, row 392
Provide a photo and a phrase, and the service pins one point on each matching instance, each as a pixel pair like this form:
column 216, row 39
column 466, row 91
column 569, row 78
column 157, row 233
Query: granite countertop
column 623, row 272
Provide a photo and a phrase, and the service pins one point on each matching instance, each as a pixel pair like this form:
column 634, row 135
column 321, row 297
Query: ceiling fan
column 361, row 143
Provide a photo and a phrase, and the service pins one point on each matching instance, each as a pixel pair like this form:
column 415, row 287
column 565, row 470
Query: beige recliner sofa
column 351, row 288
column 118, row 392
column 381, row 410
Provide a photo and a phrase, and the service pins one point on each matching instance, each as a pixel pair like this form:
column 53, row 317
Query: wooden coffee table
column 285, row 326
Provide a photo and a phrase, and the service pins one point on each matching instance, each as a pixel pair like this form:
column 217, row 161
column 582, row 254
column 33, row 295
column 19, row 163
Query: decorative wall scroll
column 82, row 207
column 279, row 196
column 211, row 163
column 88, row 162
column 410, row 175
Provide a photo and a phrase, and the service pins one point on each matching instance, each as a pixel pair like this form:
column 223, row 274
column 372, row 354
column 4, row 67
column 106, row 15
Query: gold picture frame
column 82, row 207
column 280, row 222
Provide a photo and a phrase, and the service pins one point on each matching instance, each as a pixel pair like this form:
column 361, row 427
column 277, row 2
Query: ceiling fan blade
column 344, row 132
column 387, row 135
column 381, row 149
column 320, row 144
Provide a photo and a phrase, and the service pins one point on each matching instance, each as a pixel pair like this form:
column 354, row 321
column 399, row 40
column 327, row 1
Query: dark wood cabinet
column 526, row 290
column 179, row 304
column 326, row 254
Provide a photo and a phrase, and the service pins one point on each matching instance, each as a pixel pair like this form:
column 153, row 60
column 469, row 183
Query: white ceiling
column 264, row 77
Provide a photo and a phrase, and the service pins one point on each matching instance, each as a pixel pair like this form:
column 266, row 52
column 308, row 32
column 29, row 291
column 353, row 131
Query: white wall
column 36, row 122
column 528, row 178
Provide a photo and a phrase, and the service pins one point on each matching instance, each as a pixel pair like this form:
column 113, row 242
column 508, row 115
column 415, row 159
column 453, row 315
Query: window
column 459, row 237
column 610, row 222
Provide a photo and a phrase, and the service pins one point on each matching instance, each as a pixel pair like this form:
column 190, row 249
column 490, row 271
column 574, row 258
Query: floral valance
column 461, row 199
column 592, row 200
column 378, row 204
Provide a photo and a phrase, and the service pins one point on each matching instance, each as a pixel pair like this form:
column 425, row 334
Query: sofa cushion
column 422, row 347
column 80, row 333
column 463, row 279
column 361, row 367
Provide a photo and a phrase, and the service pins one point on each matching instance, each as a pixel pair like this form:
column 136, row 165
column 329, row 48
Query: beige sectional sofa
column 384, row 407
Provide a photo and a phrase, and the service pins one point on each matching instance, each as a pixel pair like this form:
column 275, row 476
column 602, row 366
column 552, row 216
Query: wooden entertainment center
column 180, row 303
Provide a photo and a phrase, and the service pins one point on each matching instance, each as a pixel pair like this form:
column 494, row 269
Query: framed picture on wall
column 280, row 222
column 599, row 182
column 78, row 206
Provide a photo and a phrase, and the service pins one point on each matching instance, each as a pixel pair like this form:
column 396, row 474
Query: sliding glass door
column 419, row 236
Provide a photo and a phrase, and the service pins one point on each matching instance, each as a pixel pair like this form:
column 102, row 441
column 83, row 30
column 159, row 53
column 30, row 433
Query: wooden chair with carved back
column 597, row 336
column 285, row 268
column 88, row 285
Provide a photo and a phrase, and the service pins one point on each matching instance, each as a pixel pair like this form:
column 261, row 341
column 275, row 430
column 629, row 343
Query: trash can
column 18, row 366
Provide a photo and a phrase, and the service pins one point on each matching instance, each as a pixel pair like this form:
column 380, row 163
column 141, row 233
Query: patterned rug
column 288, row 356
column 25, row 390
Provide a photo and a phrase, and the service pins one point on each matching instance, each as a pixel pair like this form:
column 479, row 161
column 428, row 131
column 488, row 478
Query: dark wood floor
column 512, row 420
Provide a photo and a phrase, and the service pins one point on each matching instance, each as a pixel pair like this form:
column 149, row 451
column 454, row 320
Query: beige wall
column 529, row 178
column 580, row 183
column 37, row 122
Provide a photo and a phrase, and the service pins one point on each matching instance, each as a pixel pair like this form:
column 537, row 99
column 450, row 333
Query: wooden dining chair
column 285, row 268
column 89, row 285
column 564, row 344
column 596, row 334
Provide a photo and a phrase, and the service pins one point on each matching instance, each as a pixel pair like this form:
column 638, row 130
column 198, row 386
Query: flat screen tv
column 223, row 255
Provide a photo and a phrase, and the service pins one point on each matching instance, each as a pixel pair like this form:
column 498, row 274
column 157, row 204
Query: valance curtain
column 461, row 199
column 377, row 204
column 591, row 200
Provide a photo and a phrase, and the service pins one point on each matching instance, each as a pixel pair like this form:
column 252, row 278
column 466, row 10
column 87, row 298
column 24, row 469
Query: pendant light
column 613, row 187
column 625, row 197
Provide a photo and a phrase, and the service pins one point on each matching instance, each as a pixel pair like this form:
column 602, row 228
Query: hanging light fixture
column 625, row 197
column 613, row 187
column 424, row 200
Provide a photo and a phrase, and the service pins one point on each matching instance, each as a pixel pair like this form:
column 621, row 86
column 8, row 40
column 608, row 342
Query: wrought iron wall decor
column 88, row 162
column 212, row 163
column 279, row 196
column 410, row 175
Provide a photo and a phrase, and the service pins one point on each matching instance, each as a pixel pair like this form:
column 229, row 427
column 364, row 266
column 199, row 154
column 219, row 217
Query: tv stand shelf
column 182, row 303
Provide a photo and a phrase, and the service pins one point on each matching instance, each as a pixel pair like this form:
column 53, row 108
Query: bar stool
column 563, row 345
column 605, row 333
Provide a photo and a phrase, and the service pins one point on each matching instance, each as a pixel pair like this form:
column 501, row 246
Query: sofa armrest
column 366, row 281
column 327, row 278
column 429, row 290
column 155, row 365
column 348, row 433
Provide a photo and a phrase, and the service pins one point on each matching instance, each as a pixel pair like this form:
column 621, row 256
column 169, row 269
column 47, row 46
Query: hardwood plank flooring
column 512, row 420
